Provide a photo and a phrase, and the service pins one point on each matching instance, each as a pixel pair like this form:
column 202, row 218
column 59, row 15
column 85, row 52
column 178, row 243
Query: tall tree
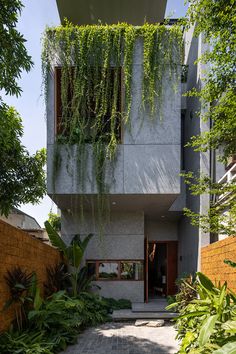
column 22, row 178
column 216, row 20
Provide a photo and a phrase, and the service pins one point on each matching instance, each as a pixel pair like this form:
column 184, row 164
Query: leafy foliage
column 13, row 342
column 22, row 178
column 91, row 58
column 216, row 20
column 24, row 294
column 55, row 221
column 63, row 316
column 72, row 253
column 55, row 324
column 230, row 263
column 221, row 216
column 207, row 322
column 57, row 279
column 84, row 281
column 117, row 304
column 14, row 57
column 186, row 292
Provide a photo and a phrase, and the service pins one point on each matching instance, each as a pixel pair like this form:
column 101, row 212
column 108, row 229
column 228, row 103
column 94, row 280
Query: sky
column 36, row 15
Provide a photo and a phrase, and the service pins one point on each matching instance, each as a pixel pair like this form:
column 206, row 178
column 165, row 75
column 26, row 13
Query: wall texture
column 123, row 239
column 159, row 230
column 18, row 248
column 212, row 261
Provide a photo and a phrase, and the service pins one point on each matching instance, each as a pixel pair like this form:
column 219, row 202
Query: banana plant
column 73, row 252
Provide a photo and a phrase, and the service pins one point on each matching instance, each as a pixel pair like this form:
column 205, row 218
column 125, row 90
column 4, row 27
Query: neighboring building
column 148, row 242
column 25, row 222
column 227, row 198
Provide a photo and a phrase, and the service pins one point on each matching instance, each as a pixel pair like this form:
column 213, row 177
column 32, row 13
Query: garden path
column 125, row 338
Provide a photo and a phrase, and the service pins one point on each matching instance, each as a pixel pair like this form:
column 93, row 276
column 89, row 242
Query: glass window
column 108, row 270
column 131, row 270
column 91, row 269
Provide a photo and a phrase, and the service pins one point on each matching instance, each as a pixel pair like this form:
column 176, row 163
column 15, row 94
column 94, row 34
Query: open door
column 146, row 271
column 160, row 268
column 172, row 254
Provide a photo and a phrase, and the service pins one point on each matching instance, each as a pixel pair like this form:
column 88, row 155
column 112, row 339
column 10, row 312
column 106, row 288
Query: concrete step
column 124, row 315
column 153, row 306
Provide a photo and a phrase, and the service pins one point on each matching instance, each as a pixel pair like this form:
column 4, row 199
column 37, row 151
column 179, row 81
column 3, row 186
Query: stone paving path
column 125, row 338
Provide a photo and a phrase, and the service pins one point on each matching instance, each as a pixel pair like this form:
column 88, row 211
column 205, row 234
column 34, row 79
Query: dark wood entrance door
column 172, row 252
column 170, row 269
column 146, row 270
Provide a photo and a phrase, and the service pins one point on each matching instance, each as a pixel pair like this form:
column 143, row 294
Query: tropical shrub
column 24, row 294
column 55, row 324
column 73, row 253
column 57, row 279
column 207, row 324
column 186, row 292
column 113, row 304
column 13, row 342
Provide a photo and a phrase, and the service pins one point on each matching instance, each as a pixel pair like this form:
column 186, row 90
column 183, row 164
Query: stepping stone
column 139, row 323
column 148, row 323
column 156, row 323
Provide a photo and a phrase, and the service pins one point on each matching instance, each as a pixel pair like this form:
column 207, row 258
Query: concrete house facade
column 147, row 242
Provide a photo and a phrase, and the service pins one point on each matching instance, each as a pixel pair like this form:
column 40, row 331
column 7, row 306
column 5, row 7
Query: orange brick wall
column 212, row 261
column 18, row 248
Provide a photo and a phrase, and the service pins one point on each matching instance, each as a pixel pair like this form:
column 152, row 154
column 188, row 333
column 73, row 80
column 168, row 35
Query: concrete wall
column 131, row 290
column 191, row 238
column 148, row 161
column 158, row 230
column 123, row 239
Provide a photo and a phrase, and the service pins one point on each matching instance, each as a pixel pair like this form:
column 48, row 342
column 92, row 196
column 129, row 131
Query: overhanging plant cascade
column 91, row 59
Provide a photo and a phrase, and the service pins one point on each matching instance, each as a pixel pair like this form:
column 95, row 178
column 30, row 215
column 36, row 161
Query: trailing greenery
column 207, row 324
column 216, row 22
column 91, row 58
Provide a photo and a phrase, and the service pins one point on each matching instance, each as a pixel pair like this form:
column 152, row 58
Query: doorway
column 161, row 269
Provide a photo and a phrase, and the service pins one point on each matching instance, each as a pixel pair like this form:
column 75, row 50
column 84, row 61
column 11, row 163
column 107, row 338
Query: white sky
column 36, row 15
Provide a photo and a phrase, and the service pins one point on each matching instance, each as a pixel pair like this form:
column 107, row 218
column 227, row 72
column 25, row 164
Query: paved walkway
column 125, row 338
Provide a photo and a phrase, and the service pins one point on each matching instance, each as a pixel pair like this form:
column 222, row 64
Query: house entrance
column 161, row 269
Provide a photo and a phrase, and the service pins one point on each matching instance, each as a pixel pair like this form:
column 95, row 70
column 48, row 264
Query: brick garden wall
column 212, row 261
column 18, row 248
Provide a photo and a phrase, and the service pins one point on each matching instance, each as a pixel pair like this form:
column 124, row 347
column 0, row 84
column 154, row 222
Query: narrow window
column 108, row 270
column 116, row 270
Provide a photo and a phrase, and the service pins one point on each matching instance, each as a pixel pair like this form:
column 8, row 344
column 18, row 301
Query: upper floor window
column 77, row 115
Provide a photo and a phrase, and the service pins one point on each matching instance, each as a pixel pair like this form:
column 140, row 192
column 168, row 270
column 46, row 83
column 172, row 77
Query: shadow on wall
column 160, row 175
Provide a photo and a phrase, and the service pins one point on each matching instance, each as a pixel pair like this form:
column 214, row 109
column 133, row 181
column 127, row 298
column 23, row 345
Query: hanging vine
column 91, row 58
